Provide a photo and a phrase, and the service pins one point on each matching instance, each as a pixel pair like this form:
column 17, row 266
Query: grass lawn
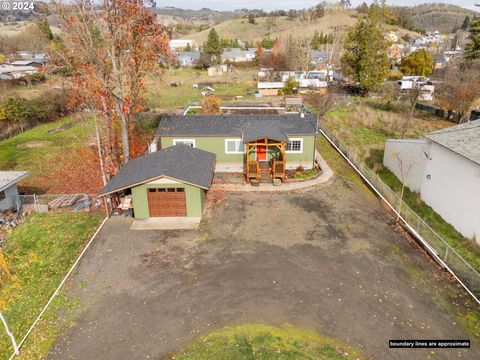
column 52, row 152
column 365, row 128
column 163, row 96
column 265, row 342
column 340, row 166
column 37, row 255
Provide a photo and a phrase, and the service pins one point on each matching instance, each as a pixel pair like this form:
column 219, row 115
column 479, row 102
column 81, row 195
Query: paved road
column 325, row 259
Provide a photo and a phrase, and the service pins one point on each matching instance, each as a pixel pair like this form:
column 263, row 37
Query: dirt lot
column 326, row 259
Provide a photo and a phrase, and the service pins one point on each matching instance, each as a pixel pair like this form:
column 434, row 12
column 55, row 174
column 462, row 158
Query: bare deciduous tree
column 460, row 89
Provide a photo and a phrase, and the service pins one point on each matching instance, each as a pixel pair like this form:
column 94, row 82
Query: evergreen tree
column 472, row 50
column 365, row 58
column 466, row 23
column 188, row 47
column 44, row 27
column 213, row 47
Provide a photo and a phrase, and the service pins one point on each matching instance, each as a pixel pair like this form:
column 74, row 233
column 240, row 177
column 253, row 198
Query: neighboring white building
column 8, row 188
column 407, row 159
column 188, row 58
column 180, row 43
column 8, row 71
column 450, row 178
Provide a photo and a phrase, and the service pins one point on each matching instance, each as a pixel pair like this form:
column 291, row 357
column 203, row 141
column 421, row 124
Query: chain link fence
column 45, row 203
column 468, row 275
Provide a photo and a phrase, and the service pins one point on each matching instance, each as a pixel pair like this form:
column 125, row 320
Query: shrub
column 17, row 110
column 291, row 85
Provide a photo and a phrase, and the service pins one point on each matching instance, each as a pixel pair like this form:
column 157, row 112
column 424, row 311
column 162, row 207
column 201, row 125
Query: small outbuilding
column 8, row 188
column 170, row 183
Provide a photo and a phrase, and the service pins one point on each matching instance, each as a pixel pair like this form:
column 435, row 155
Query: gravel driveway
column 327, row 259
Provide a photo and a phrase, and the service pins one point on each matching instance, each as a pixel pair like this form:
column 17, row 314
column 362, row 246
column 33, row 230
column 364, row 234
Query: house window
column 188, row 142
column 2, row 195
column 294, row 146
column 234, row 146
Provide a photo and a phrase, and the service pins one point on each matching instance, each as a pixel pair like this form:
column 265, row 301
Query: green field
column 161, row 95
column 265, row 342
column 36, row 257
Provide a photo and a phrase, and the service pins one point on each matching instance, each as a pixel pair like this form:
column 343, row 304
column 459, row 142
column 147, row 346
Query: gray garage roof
column 8, row 178
column 179, row 162
column 462, row 139
column 251, row 126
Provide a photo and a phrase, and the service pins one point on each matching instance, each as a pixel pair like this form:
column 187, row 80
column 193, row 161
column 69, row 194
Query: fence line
column 59, row 287
column 46, row 202
column 443, row 252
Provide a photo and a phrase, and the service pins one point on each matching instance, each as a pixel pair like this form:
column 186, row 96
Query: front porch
column 265, row 160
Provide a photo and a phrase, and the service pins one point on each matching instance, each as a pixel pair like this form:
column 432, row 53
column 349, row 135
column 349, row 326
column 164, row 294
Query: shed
column 8, row 187
column 168, row 183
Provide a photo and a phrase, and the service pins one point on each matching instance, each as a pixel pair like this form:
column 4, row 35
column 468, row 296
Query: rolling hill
column 241, row 29
column 441, row 17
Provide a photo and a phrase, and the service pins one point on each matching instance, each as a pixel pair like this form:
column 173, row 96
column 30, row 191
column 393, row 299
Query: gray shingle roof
column 180, row 162
column 463, row 139
column 264, row 131
column 251, row 126
column 8, row 178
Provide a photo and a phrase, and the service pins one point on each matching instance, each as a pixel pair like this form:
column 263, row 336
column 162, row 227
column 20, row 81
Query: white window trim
column 175, row 141
column 234, row 152
column 296, row 151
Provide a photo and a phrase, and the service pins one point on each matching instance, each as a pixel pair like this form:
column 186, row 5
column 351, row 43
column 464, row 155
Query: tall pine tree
column 472, row 50
column 365, row 58
column 213, row 46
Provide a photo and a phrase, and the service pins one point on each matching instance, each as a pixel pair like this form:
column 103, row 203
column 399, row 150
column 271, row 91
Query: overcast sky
column 286, row 4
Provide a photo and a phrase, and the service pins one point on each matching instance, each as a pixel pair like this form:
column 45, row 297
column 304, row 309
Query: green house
column 168, row 183
column 260, row 146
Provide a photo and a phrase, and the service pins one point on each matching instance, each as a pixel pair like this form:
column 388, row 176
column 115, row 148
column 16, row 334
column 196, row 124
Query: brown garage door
column 167, row 202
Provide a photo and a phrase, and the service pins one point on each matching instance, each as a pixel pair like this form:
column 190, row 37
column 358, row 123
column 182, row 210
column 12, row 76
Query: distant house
column 270, row 88
column 188, row 58
column 219, row 70
column 440, row 61
column 304, row 85
column 10, row 72
column 8, row 187
column 29, row 55
column 236, row 55
column 180, row 43
column 444, row 167
column 318, row 58
column 396, row 51
column 391, row 36
column 37, row 63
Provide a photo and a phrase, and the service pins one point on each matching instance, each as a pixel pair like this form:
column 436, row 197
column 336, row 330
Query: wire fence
column 45, row 203
column 468, row 275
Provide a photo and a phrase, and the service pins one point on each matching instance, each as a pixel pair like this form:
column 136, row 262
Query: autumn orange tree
column 211, row 105
column 109, row 48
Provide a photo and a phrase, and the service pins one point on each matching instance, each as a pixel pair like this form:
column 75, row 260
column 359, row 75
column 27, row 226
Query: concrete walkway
column 325, row 175
column 166, row 223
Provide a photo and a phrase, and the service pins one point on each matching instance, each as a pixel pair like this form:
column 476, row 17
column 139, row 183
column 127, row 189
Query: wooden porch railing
column 253, row 170
column 278, row 169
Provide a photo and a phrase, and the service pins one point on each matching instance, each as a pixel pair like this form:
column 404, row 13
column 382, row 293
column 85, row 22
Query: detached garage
column 170, row 183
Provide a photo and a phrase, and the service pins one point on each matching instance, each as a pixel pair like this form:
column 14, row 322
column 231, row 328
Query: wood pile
column 63, row 201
